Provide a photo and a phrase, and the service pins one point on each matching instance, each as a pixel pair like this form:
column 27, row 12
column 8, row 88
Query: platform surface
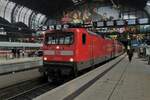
column 125, row 81
column 19, row 64
column 18, row 60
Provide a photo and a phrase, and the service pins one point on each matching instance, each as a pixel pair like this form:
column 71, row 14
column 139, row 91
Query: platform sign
column 110, row 23
column 52, row 27
column 100, row 24
column 58, row 27
column 44, row 28
column 131, row 22
column 143, row 21
column 65, row 26
column 120, row 22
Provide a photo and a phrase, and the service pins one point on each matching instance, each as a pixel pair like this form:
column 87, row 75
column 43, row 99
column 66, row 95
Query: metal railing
column 19, row 44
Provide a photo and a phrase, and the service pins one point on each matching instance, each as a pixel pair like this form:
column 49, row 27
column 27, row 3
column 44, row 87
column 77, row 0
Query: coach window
column 83, row 39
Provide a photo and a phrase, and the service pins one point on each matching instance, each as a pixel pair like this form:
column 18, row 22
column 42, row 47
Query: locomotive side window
column 83, row 39
column 59, row 38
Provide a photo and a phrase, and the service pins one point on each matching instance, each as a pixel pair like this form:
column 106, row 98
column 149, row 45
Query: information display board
column 100, row 24
column 110, row 23
column 143, row 21
column 131, row 22
column 120, row 22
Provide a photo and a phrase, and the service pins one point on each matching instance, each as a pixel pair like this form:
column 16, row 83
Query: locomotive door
column 91, row 52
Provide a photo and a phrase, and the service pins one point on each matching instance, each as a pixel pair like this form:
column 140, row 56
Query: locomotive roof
column 91, row 32
column 63, row 30
column 71, row 29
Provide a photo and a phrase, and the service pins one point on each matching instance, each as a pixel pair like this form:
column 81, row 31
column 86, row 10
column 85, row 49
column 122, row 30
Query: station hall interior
column 74, row 49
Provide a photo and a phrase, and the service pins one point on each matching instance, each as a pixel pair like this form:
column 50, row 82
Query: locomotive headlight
column 71, row 60
column 78, row 30
column 57, row 47
column 45, row 58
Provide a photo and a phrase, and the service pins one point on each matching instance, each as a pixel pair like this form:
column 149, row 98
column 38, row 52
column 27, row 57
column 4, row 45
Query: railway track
column 34, row 92
column 29, row 89
column 17, row 90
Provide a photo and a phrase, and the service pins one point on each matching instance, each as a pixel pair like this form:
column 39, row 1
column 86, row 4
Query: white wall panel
column 28, row 14
column 18, row 14
column 23, row 14
column 8, row 11
column 3, row 5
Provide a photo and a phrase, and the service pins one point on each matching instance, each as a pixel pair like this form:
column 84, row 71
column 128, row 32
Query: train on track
column 69, row 51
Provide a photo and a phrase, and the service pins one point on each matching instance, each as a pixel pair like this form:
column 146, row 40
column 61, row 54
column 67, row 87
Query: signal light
column 57, row 47
column 45, row 58
column 78, row 30
column 71, row 60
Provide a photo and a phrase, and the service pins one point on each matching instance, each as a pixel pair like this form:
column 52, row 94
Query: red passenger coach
column 68, row 51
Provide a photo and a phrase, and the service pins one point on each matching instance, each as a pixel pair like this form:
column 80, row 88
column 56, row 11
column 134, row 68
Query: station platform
column 18, row 64
column 117, row 80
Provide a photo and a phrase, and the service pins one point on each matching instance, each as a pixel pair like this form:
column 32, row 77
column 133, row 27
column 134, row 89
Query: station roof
column 20, row 24
column 50, row 7
column 14, row 27
column 132, row 3
column 3, row 21
column 47, row 7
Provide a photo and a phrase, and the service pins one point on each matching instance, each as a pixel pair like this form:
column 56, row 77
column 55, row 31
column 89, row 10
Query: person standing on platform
column 14, row 52
column 18, row 53
column 23, row 52
column 130, row 54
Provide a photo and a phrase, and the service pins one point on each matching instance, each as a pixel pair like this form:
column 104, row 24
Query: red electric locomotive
column 71, row 50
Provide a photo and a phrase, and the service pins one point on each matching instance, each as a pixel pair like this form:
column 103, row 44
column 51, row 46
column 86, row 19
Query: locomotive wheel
column 55, row 77
column 44, row 77
column 75, row 74
column 50, row 79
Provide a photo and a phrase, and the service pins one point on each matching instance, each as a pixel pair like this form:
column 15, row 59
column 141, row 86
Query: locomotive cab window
column 83, row 39
column 65, row 38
